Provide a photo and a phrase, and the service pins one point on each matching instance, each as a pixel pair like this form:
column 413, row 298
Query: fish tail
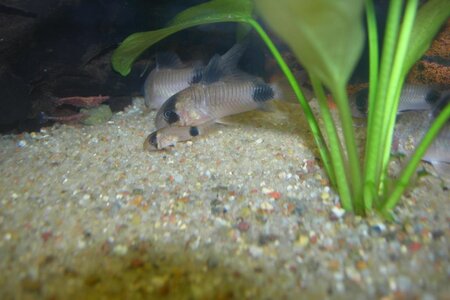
column 284, row 91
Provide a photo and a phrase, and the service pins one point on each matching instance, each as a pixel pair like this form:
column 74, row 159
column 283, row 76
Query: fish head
column 168, row 113
column 151, row 142
column 161, row 139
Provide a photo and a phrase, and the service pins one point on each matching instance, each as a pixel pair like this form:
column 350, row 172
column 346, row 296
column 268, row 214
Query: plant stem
column 369, row 190
column 341, row 98
column 373, row 54
column 323, row 149
column 337, row 153
column 396, row 81
column 408, row 171
column 375, row 136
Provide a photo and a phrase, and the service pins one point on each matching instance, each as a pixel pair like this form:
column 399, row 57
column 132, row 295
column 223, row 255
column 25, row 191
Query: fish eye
column 171, row 117
column 153, row 140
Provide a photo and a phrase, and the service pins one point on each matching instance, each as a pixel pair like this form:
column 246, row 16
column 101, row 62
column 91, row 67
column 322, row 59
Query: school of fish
column 191, row 98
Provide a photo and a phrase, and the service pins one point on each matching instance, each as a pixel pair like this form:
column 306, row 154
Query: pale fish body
column 202, row 103
column 412, row 126
column 413, row 97
column 169, row 77
column 438, row 154
column 170, row 136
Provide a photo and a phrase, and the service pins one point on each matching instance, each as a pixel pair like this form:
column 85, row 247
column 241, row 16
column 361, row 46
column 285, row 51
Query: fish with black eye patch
column 203, row 103
column 223, row 91
column 169, row 136
column 171, row 75
column 414, row 97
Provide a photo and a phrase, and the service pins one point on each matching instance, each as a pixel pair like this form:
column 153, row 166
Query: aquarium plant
column 327, row 37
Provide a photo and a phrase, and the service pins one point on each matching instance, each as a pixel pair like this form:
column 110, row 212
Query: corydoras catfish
column 223, row 91
column 412, row 126
column 168, row 77
column 171, row 76
column 171, row 135
column 413, row 97
column 438, row 154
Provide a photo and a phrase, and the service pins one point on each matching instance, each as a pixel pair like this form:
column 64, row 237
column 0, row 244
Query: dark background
column 61, row 48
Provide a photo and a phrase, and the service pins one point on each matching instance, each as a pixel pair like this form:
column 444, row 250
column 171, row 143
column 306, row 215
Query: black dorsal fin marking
column 212, row 72
column 167, row 60
column 197, row 74
column 223, row 66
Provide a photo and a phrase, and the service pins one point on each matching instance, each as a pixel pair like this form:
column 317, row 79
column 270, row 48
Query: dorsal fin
column 223, row 66
column 166, row 60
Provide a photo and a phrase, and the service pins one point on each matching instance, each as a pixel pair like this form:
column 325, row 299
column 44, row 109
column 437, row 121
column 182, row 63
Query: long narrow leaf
column 375, row 136
column 408, row 172
column 318, row 137
column 336, row 150
column 396, row 83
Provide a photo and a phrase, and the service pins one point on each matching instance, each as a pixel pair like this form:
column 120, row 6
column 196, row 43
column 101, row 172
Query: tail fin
column 284, row 91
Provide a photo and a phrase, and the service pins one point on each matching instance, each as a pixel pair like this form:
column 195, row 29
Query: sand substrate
column 245, row 212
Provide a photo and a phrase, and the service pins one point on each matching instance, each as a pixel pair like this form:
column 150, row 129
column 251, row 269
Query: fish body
column 170, row 136
column 203, row 103
column 169, row 77
column 414, row 97
column 413, row 125
column 438, row 154
column 223, row 91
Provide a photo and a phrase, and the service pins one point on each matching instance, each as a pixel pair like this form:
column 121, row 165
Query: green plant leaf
column 215, row 11
column 326, row 35
column 210, row 12
column 429, row 20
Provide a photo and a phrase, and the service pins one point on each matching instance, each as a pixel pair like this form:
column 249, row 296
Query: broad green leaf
column 429, row 20
column 326, row 35
column 210, row 12
column 215, row 11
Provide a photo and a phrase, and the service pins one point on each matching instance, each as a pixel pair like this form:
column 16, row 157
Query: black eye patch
column 153, row 139
column 171, row 116
column 169, row 110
